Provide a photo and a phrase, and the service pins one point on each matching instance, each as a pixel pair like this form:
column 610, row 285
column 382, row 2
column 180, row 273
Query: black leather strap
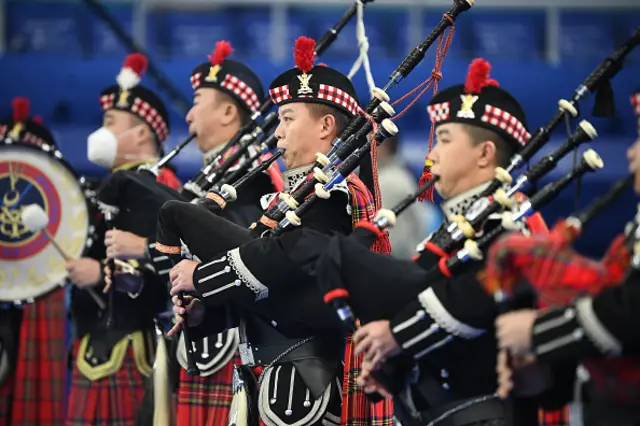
column 315, row 348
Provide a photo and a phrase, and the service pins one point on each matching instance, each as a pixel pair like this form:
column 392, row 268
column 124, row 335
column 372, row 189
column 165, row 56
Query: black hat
column 313, row 84
column 480, row 102
column 635, row 101
column 232, row 77
column 22, row 128
column 129, row 96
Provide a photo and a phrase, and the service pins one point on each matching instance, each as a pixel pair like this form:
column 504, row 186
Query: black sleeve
column 263, row 267
column 605, row 324
column 457, row 307
column 330, row 215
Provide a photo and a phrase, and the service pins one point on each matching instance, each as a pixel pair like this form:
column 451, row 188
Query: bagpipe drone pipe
column 489, row 203
column 214, row 170
column 559, row 276
column 367, row 233
column 351, row 141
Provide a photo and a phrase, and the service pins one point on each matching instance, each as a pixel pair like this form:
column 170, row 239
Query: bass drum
column 30, row 266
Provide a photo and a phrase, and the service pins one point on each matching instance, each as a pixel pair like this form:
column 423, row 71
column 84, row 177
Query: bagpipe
column 558, row 275
column 493, row 196
column 350, row 143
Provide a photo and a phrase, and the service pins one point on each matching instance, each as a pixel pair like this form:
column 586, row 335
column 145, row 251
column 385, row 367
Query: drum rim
column 51, row 152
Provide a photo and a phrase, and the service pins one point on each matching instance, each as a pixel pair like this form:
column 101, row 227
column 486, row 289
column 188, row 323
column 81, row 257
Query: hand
column 181, row 276
column 369, row 383
column 84, row 272
column 194, row 310
column 513, row 330
column 124, row 245
column 376, row 341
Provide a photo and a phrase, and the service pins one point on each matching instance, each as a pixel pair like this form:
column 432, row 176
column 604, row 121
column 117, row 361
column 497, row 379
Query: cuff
column 426, row 325
column 160, row 262
column 228, row 279
column 572, row 332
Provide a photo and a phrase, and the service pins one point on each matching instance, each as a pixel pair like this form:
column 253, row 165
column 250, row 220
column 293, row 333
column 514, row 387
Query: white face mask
column 102, row 148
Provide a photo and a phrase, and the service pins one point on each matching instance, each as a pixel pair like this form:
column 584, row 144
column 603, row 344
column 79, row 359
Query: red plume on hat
column 220, row 53
column 478, row 77
column 304, row 53
column 20, row 107
column 131, row 73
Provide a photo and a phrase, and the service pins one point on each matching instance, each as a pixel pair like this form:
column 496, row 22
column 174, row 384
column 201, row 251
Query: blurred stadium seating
column 60, row 54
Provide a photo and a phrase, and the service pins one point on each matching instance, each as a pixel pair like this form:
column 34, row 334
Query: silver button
column 94, row 361
column 444, row 373
column 421, row 314
column 569, row 314
column 578, row 333
column 445, row 386
column 238, row 282
column 227, row 268
column 274, row 323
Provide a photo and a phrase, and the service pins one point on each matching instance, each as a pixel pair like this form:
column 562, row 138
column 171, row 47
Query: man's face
column 129, row 131
column 455, row 159
column 205, row 116
column 633, row 155
column 301, row 134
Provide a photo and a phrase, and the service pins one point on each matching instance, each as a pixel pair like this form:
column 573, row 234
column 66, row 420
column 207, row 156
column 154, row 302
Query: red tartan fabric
column 356, row 409
column 206, row 401
column 111, row 401
column 6, row 399
column 40, row 385
column 560, row 275
column 554, row 418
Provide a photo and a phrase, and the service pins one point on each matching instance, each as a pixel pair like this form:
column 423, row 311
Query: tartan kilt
column 554, row 418
column 111, row 401
column 206, row 400
column 41, row 371
column 6, row 400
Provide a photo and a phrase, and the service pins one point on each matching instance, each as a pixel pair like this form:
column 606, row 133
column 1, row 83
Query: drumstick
column 36, row 220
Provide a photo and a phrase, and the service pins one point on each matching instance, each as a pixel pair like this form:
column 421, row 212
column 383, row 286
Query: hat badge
column 304, row 84
column 213, row 73
column 466, row 111
column 123, row 99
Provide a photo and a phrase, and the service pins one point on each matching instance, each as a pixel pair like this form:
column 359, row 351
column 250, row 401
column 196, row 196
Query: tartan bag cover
column 559, row 274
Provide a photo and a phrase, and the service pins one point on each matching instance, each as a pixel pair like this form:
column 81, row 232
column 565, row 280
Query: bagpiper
column 291, row 350
column 226, row 94
column 444, row 326
column 598, row 332
column 112, row 364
